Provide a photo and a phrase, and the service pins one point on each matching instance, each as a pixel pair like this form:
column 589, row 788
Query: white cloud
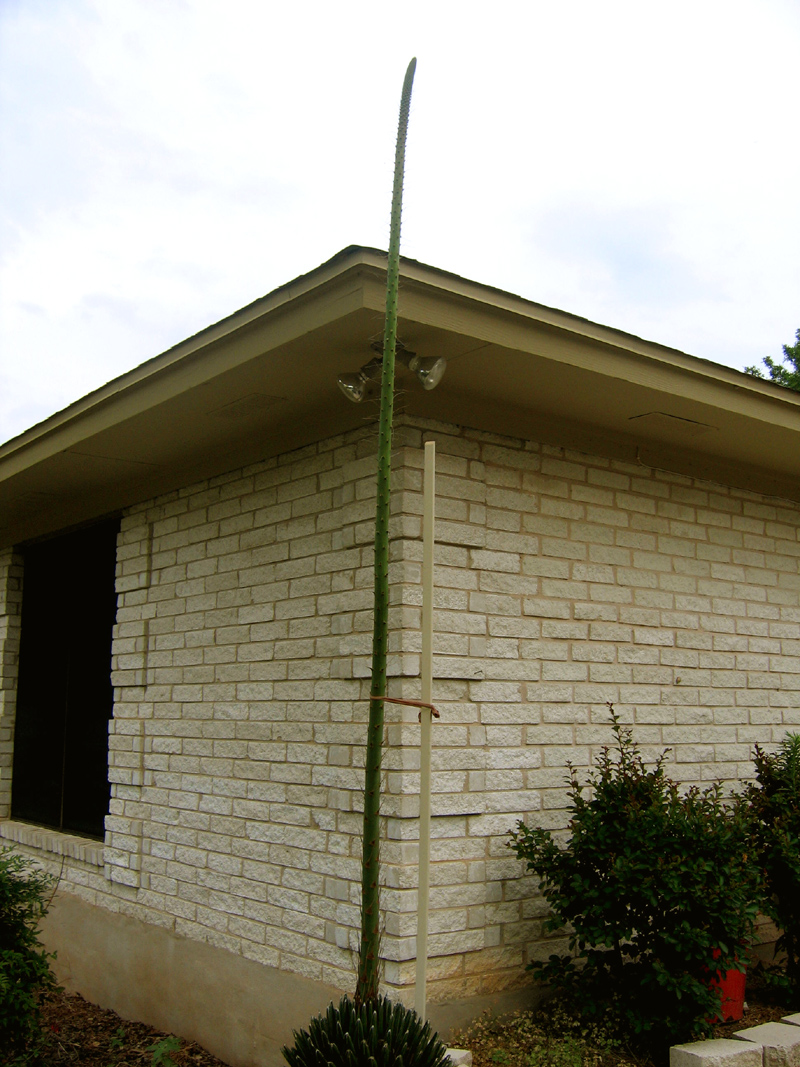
column 168, row 163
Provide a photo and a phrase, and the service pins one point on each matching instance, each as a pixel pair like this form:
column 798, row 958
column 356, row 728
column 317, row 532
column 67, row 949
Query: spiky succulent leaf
column 377, row 1033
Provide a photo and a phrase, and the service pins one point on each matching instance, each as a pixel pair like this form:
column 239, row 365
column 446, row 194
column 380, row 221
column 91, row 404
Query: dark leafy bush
column 774, row 802
column 24, row 966
column 649, row 883
column 375, row 1034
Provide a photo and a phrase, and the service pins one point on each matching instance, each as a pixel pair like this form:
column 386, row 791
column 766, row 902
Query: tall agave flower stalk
column 367, row 984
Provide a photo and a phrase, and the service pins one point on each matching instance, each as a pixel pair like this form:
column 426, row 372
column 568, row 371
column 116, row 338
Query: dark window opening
column 64, row 691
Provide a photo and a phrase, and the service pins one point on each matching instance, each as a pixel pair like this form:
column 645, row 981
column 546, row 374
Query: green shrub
column 24, row 966
column 650, row 882
column 375, row 1034
column 774, row 803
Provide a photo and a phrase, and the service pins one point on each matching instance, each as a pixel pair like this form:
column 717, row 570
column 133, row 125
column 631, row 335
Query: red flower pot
column 731, row 986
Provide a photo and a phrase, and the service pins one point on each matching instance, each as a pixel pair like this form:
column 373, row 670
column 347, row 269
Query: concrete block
column 459, row 1056
column 780, row 1042
column 720, row 1052
column 792, row 1020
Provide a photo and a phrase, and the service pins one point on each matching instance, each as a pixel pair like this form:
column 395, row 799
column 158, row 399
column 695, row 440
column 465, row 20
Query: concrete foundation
column 242, row 1011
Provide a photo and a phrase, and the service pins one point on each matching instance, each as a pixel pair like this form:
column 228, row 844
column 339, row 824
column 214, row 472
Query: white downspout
column 426, row 676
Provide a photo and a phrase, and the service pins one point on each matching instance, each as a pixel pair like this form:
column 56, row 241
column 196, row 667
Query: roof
column 263, row 381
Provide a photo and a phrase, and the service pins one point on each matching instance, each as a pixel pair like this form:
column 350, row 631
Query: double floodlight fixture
column 428, row 369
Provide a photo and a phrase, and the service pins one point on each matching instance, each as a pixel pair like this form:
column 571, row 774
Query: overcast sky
column 165, row 162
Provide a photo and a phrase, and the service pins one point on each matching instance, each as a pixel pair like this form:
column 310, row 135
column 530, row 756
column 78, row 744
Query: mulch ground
column 755, row 1014
column 81, row 1034
column 551, row 1037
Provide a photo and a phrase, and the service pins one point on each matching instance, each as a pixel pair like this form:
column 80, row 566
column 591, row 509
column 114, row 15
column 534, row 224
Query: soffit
column 264, row 382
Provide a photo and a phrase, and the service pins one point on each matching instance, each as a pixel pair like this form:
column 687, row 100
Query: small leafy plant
column 650, row 882
column 24, row 964
column 552, row 1035
column 118, row 1040
column 161, row 1051
column 774, row 804
column 376, row 1033
column 566, row 1052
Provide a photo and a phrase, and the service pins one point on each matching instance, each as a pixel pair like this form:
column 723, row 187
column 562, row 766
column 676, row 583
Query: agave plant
column 374, row 1034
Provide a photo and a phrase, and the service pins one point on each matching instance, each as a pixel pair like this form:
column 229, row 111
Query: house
column 616, row 521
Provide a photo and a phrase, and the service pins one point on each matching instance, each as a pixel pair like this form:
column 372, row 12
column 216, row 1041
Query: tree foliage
column 24, row 964
column 786, row 373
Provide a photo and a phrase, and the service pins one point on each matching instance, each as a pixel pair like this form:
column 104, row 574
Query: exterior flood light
column 429, row 371
column 355, row 386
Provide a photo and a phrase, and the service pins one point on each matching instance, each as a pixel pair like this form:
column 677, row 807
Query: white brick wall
column 241, row 661
column 570, row 581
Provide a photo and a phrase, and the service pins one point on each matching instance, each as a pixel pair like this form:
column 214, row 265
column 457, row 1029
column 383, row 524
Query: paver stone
column 780, row 1041
column 719, row 1052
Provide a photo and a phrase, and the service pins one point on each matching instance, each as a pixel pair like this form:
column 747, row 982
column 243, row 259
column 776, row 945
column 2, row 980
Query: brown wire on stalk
column 411, row 704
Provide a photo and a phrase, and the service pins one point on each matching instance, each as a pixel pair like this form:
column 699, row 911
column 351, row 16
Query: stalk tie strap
column 410, row 703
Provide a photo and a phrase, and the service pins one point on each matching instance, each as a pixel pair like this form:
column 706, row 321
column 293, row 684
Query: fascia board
column 354, row 279
column 497, row 318
column 265, row 325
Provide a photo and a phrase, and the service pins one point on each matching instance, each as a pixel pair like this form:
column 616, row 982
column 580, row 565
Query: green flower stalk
column 367, row 984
